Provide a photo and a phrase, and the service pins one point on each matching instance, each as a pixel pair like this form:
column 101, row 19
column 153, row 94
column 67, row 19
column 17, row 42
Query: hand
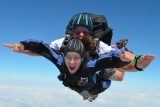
column 15, row 47
column 126, row 56
column 19, row 48
column 144, row 61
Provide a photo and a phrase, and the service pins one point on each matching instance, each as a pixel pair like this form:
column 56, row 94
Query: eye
column 68, row 58
column 76, row 58
column 86, row 33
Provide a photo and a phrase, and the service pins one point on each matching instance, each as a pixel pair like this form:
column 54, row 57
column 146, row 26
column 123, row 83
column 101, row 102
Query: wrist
column 135, row 63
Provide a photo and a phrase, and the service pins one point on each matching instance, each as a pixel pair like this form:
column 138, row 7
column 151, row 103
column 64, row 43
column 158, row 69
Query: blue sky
column 137, row 20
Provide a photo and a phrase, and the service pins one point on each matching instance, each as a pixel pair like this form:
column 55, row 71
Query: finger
column 147, row 57
column 144, row 61
column 8, row 45
column 151, row 57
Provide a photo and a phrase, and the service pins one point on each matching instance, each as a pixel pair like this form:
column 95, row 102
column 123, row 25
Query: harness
column 87, row 81
column 78, row 82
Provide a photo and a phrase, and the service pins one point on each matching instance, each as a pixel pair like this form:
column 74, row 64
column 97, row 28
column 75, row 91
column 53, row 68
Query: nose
column 81, row 34
column 72, row 61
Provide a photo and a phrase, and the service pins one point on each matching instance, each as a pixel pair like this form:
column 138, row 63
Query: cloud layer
column 21, row 96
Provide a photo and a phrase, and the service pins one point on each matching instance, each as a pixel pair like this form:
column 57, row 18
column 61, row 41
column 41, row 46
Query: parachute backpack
column 101, row 29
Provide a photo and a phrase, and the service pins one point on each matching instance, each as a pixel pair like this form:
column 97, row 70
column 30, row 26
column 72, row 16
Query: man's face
column 80, row 32
column 83, row 33
column 73, row 61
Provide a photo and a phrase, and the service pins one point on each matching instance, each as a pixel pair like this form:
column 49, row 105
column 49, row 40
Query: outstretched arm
column 107, row 61
column 38, row 47
column 142, row 63
column 19, row 48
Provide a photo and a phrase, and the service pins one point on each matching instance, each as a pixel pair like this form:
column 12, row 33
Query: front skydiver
column 76, row 73
column 98, row 89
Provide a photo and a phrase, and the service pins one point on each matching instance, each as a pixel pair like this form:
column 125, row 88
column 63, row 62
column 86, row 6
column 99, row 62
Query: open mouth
column 72, row 67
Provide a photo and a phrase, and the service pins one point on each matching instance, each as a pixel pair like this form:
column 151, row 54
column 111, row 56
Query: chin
column 72, row 71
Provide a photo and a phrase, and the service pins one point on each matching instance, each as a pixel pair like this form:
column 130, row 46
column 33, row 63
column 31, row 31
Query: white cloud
column 33, row 96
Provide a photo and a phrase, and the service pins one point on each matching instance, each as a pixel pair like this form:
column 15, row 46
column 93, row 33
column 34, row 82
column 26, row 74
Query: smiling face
column 73, row 61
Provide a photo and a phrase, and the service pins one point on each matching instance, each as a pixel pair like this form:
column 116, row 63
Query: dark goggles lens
column 83, row 30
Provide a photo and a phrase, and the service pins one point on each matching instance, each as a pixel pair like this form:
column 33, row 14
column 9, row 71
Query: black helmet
column 75, row 45
column 82, row 19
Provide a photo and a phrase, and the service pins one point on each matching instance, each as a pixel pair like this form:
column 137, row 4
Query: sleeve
column 104, row 48
column 110, row 62
column 43, row 49
column 57, row 44
column 105, row 61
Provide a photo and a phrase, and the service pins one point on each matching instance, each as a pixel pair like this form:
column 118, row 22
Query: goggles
column 81, row 29
column 74, row 58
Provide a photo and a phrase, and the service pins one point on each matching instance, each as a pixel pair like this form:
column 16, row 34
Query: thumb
column 7, row 45
column 120, row 53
